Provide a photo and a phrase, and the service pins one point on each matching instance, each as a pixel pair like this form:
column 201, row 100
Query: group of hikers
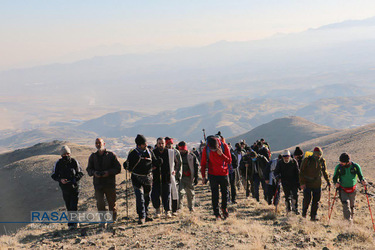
column 166, row 173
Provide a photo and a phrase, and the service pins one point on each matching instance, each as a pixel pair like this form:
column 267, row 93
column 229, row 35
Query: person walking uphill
column 216, row 156
column 68, row 172
column 190, row 166
column 345, row 178
column 311, row 171
column 103, row 165
column 287, row 171
column 140, row 163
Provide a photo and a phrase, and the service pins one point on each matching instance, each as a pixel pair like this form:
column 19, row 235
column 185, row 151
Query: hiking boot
column 168, row 214
column 304, row 215
column 297, row 212
column 192, row 210
column 157, row 213
column 314, row 218
column 141, row 221
column 225, row 213
column 218, row 217
column 174, row 213
column 148, row 219
column 234, row 202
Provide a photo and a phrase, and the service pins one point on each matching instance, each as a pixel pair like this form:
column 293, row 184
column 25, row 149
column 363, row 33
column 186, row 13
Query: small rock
column 325, row 248
column 179, row 245
column 137, row 245
column 77, row 241
column 307, row 239
column 313, row 244
column 91, row 243
column 112, row 248
column 240, row 241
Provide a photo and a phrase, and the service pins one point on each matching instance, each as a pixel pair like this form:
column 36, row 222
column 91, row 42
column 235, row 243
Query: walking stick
column 329, row 198
column 127, row 194
column 368, row 202
column 333, row 203
column 247, row 181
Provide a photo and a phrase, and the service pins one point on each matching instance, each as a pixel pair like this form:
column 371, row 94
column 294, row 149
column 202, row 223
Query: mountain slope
column 284, row 132
column 29, row 138
column 358, row 142
column 26, row 184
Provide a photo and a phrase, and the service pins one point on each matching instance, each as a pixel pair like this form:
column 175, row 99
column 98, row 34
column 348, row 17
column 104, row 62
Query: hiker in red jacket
column 217, row 156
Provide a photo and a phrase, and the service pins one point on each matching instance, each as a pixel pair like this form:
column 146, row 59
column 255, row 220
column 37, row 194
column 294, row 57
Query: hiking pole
column 204, row 135
column 247, row 181
column 368, row 202
column 127, row 194
column 333, row 203
column 329, row 198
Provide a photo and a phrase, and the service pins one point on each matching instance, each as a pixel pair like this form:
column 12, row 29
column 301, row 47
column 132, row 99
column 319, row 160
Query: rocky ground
column 251, row 225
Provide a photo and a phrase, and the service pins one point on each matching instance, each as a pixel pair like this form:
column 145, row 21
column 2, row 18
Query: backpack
column 353, row 169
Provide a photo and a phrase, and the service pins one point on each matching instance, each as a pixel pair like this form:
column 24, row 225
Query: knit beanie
column 140, row 140
column 298, row 151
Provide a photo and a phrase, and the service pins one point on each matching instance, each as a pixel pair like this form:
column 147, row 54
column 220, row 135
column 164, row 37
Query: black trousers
column 70, row 196
column 315, row 194
column 291, row 197
column 217, row 182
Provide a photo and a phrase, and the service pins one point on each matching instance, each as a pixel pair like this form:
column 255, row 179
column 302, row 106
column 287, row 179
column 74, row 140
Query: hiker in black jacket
column 140, row 163
column 103, row 165
column 287, row 170
column 68, row 172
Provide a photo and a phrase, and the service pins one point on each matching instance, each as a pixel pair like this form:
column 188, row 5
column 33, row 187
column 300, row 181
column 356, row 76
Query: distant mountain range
column 231, row 117
column 284, row 132
column 283, row 65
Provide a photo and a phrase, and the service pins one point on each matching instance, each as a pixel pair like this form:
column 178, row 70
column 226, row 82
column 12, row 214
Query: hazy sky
column 37, row 32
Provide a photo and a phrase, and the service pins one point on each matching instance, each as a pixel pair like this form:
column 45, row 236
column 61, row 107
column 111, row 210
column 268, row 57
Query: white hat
column 286, row 152
column 65, row 150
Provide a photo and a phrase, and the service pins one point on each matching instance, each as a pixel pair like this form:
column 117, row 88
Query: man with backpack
column 287, row 171
column 253, row 167
column 345, row 179
column 216, row 157
column 273, row 188
column 68, row 172
column 311, row 171
column 140, row 163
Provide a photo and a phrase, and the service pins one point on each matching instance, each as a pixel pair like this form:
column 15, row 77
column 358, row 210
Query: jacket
column 141, row 162
column 260, row 165
column 164, row 170
column 67, row 169
column 193, row 165
column 106, row 162
column 288, row 173
column 217, row 164
column 311, row 172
